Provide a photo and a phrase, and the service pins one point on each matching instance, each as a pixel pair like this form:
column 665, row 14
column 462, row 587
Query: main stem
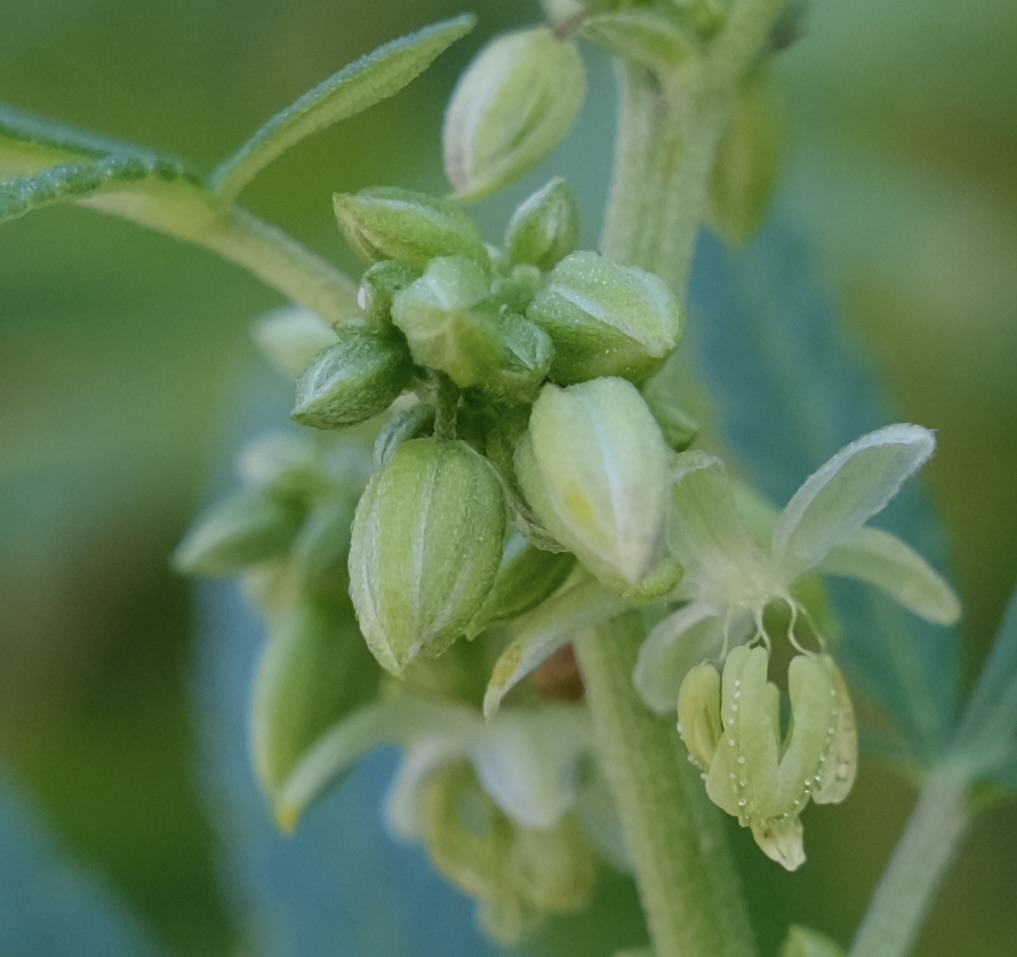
column 687, row 881
column 916, row 870
column 668, row 130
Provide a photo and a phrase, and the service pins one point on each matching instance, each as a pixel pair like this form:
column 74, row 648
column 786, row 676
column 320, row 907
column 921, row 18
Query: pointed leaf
column 399, row 720
column 844, row 493
column 544, row 630
column 355, row 88
column 528, row 762
column 883, row 560
column 30, row 143
column 116, row 183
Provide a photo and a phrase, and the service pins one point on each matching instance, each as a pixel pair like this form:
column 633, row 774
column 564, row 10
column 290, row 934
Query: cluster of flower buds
column 524, row 363
column 754, row 770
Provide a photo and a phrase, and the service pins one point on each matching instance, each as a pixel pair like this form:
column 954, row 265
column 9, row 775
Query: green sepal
column 245, row 529
column 427, row 543
column 386, row 222
column 413, row 423
column 355, row 88
column 513, row 104
column 606, row 319
column 357, row 378
column 747, row 160
column 313, row 671
column 544, row 228
column 699, row 713
column 378, row 286
column 526, row 577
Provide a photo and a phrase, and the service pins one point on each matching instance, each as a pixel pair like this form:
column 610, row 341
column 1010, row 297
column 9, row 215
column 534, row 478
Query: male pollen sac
column 426, row 545
column 754, row 771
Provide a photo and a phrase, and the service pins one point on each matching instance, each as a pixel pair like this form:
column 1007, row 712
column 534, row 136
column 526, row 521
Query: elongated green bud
column 454, row 326
column 359, row 377
column 544, row 229
column 655, row 38
column 511, row 107
column 606, row 319
column 313, row 670
column 377, row 287
column 385, row 222
column 426, row 545
column 243, row 530
column 594, row 467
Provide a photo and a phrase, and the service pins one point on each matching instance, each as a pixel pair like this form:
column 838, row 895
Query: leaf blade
column 358, row 86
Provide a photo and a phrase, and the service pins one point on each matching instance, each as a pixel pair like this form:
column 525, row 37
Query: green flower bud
column 754, row 771
column 595, row 469
column 313, row 671
column 606, row 319
column 359, row 377
column 527, row 576
column 656, row 38
column 248, row 528
column 747, row 161
column 511, row 107
column 515, row 872
column 545, row 226
column 290, row 336
column 427, row 542
column 517, row 287
column 385, row 222
column 378, row 286
column 454, row 326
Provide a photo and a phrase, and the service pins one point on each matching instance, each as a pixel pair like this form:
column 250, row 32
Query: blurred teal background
column 126, row 377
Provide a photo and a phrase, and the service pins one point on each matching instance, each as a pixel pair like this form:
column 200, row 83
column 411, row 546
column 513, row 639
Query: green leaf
column 121, row 184
column 883, row 560
column 843, row 494
column 29, row 143
column 355, row 88
column 546, row 629
column 399, row 720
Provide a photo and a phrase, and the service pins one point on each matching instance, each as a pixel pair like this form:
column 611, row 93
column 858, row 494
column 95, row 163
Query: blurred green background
column 122, row 356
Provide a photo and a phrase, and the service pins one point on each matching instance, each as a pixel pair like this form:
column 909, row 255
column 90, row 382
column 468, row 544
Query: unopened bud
column 454, row 326
column 606, row 319
column 594, row 468
column 426, row 545
column 511, row 107
column 385, row 222
column 377, row 287
column 544, row 229
column 359, row 377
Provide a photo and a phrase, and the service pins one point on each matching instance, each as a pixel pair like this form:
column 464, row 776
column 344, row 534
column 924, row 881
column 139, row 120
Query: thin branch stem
column 910, row 883
column 690, row 891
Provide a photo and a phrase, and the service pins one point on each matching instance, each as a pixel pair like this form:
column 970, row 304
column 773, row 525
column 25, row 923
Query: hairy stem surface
column 689, row 888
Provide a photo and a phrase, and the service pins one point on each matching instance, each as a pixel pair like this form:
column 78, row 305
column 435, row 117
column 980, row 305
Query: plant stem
column 908, row 886
column 240, row 237
column 687, row 881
